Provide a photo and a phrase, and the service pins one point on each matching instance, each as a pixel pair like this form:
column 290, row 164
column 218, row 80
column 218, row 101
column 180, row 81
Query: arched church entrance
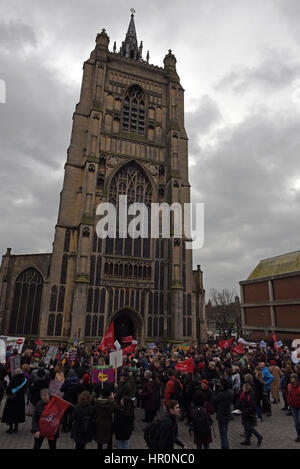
column 127, row 323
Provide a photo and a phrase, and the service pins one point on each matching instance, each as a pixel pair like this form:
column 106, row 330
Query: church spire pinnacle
column 130, row 48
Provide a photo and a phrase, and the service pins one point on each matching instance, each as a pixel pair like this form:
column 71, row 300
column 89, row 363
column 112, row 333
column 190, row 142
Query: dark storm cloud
column 34, row 134
column 247, row 184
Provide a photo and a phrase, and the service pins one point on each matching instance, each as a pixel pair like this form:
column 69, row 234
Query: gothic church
column 128, row 138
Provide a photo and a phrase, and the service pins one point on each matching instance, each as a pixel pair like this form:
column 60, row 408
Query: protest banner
column 223, row 344
column 15, row 363
column 51, row 416
column 16, row 342
column 116, row 359
column 108, row 340
column 127, row 340
column 184, row 346
column 51, row 354
column 186, row 366
column 103, row 375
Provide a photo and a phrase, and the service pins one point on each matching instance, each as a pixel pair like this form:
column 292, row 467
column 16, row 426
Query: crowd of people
column 219, row 385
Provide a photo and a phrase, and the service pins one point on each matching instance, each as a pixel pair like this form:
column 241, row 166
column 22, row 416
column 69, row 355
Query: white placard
column 116, row 359
column 2, row 351
column 117, row 345
column 16, row 342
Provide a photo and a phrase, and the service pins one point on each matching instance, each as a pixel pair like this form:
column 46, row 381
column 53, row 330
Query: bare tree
column 223, row 313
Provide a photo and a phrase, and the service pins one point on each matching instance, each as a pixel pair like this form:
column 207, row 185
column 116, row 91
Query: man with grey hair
column 37, row 412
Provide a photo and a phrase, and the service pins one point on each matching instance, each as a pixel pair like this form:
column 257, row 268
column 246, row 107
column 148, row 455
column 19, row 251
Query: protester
column 71, row 389
column 105, row 406
column 248, row 407
column 82, row 420
column 201, row 423
column 124, row 422
column 169, row 427
column 222, row 401
column 275, row 385
column 268, row 378
column 37, row 412
column 293, row 399
column 14, row 409
column 148, row 397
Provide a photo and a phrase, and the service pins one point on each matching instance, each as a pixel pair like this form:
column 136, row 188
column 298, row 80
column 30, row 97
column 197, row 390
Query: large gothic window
column 134, row 110
column 27, row 302
column 131, row 181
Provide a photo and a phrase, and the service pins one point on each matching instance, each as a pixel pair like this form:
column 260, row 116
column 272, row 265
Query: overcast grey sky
column 239, row 62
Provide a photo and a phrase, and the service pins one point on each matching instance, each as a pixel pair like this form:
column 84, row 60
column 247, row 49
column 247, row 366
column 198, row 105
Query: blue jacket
column 268, row 378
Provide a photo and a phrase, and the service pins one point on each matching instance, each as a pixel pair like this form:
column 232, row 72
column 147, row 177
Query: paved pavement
column 278, row 432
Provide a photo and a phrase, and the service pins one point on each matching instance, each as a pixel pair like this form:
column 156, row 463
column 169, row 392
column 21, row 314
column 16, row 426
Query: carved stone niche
column 176, row 183
column 86, row 232
column 151, row 124
column 162, row 170
column 161, row 189
column 112, row 161
column 153, row 170
column 176, row 241
column 100, row 179
column 117, row 116
column 91, row 168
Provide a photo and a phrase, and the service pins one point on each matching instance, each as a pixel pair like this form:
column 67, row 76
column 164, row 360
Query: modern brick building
column 270, row 298
column 128, row 138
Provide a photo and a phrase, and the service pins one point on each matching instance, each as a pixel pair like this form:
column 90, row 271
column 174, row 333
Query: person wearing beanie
column 86, row 382
column 275, row 385
column 71, row 389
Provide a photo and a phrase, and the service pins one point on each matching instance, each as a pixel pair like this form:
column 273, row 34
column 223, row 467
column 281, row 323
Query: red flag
column 127, row 340
column 238, row 349
column 131, row 348
column 108, row 339
column 225, row 343
column 187, row 366
column 51, row 416
column 38, row 342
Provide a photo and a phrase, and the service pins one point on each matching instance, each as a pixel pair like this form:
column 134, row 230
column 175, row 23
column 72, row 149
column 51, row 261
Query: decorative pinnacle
column 132, row 11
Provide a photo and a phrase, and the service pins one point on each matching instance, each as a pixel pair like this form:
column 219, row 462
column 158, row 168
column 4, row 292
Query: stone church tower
column 128, row 138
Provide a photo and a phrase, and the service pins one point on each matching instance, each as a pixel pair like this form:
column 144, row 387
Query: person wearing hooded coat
column 14, row 409
column 105, row 406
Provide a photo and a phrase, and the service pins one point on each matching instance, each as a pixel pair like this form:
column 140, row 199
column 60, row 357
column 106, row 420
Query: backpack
column 152, row 434
column 177, row 393
column 201, row 422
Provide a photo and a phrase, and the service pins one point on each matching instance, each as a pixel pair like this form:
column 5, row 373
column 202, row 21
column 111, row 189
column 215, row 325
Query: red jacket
column 293, row 395
column 169, row 391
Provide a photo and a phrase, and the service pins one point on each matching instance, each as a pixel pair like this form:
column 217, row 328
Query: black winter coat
column 83, row 423
column 222, row 403
column 105, row 409
column 71, row 389
column 123, row 424
column 14, row 409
